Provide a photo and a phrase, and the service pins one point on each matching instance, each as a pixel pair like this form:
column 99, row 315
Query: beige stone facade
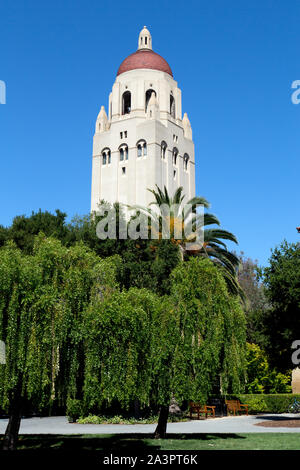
column 296, row 380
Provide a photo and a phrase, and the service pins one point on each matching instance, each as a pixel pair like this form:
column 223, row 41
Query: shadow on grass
column 137, row 443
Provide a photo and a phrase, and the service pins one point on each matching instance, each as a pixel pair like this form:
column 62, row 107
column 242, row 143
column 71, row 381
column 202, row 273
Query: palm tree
column 179, row 221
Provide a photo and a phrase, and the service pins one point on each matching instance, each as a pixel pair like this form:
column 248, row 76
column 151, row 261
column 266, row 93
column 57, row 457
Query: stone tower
column 143, row 140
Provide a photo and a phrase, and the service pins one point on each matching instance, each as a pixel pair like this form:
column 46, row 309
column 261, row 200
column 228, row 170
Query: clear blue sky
column 235, row 62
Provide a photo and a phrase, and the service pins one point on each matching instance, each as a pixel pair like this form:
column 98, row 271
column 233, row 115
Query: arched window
column 106, row 156
column 126, row 102
column 172, row 106
column 123, row 152
column 148, row 96
column 185, row 161
column 174, row 156
column 141, row 148
column 163, row 149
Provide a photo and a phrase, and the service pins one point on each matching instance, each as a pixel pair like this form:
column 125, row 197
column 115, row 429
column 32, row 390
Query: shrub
column 92, row 419
column 261, row 377
column 74, row 408
column 273, row 403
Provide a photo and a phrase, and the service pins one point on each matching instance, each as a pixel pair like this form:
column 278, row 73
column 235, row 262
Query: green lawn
column 143, row 443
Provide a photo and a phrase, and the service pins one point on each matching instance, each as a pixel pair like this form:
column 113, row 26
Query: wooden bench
column 199, row 408
column 235, row 406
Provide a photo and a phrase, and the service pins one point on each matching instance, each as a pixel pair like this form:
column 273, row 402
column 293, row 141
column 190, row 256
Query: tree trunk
column 12, row 431
column 161, row 429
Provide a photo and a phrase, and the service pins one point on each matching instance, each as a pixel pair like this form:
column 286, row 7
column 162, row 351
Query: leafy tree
column 42, row 300
column 261, row 378
column 142, row 346
column 255, row 300
column 199, row 336
column 24, row 229
column 280, row 324
column 3, row 235
column 118, row 348
column 169, row 215
column 144, row 265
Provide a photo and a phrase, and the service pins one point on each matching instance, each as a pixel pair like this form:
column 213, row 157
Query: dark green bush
column 273, row 403
column 74, row 408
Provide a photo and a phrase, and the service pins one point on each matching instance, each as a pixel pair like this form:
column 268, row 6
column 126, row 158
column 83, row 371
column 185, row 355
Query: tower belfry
column 142, row 141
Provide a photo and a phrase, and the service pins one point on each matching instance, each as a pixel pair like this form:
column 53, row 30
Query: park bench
column 235, row 406
column 199, row 408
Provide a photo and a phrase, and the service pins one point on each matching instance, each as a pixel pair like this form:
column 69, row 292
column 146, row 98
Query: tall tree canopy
column 200, row 337
column 24, row 229
column 179, row 217
column 279, row 326
column 42, row 300
column 255, row 300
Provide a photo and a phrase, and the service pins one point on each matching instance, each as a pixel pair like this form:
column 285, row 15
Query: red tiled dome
column 145, row 59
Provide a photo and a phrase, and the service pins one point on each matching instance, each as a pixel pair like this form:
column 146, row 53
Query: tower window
column 148, row 96
column 185, row 161
column 174, row 156
column 126, row 102
column 123, row 150
column 106, row 158
column 172, row 106
column 163, row 149
column 123, row 170
column 141, row 148
column 145, row 40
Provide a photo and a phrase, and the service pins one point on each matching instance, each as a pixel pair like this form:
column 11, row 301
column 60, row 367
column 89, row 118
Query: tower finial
column 145, row 39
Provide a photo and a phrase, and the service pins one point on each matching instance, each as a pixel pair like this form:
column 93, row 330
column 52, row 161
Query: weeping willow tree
column 199, row 336
column 118, row 348
column 139, row 346
column 43, row 298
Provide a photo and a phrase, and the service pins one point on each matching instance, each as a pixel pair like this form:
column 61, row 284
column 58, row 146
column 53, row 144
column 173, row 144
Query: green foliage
column 43, row 298
column 255, row 301
column 74, row 408
column 149, row 348
column 261, row 377
column 118, row 353
column 280, row 325
column 94, row 419
column 276, row 403
column 24, row 229
column 184, row 226
column 200, row 334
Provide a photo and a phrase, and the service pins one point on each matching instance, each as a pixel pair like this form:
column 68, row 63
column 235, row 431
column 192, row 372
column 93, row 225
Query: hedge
column 272, row 403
